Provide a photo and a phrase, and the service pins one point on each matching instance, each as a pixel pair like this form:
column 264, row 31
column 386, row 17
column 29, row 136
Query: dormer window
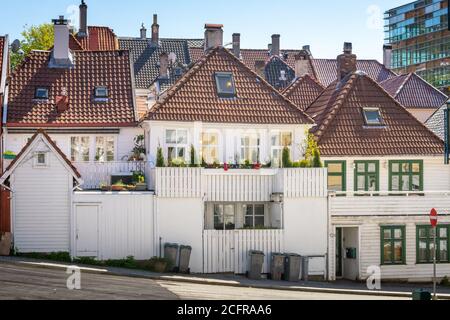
column 372, row 117
column 225, row 84
column 101, row 93
column 41, row 93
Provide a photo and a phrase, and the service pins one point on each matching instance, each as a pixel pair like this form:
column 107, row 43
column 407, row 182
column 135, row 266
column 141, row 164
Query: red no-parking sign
column 434, row 218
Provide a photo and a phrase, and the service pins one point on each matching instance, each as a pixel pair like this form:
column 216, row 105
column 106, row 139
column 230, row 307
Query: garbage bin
column 170, row 253
column 5, row 243
column 305, row 268
column 293, row 267
column 256, row 265
column 185, row 257
column 277, row 266
column 421, row 294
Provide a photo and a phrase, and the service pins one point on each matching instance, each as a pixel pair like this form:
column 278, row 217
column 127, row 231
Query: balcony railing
column 94, row 174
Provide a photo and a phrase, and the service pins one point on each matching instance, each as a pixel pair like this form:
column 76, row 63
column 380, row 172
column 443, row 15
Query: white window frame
column 36, row 163
column 253, row 215
column 244, row 149
column 235, row 218
column 176, row 145
column 114, row 147
column 279, row 147
column 89, row 147
column 210, row 146
column 372, row 124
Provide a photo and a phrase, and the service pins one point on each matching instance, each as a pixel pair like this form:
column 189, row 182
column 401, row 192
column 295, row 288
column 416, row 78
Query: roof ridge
column 413, row 74
column 297, row 82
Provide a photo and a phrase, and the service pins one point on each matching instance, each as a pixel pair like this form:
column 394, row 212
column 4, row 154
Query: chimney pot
column 237, row 45
column 346, row 62
column 275, row 45
column 213, row 36
column 143, row 32
column 83, row 30
column 164, row 66
column 302, row 63
column 155, row 30
column 61, row 57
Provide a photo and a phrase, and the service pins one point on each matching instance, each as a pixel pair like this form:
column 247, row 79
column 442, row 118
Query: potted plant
column 257, row 166
column 118, row 186
column 159, row 265
column 139, row 180
column 138, row 152
column 105, row 187
column 9, row 155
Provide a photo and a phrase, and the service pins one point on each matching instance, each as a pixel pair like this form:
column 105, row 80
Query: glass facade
column 420, row 39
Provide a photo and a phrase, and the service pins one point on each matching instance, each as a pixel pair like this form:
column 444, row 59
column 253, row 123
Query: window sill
column 393, row 264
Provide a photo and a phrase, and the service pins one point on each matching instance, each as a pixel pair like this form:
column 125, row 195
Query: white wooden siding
column 305, row 183
column 126, row 225
column 41, row 205
column 178, row 182
column 228, row 251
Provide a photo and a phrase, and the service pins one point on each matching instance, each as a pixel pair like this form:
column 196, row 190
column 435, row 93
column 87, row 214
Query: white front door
column 87, row 230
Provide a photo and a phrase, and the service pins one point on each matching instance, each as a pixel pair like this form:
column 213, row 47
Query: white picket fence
column 228, row 251
column 96, row 173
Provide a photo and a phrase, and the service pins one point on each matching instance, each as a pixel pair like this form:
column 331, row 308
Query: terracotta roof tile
column 91, row 68
column 2, row 45
column 303, row 91
column 98, row 39
column 194, row 96
column 414, row 92
column 341, row 130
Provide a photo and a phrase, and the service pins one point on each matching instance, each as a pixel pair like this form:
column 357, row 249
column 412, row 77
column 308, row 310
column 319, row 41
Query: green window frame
column 424, row 239
column 342, row 173
column 391, row 237
column 367, row 170
column 406, row 172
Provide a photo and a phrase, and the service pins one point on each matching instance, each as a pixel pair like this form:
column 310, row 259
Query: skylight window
column 101, row 92
column 41, row 93
column 372, row 116
column 225, row 84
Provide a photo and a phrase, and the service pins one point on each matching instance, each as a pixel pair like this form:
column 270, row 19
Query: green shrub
column 445, row 281
column 316, row 162
column 286, row 158
column 160, row 163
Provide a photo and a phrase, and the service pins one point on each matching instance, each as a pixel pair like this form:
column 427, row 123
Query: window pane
column 229, row 222
column 248, row 222
column 416, row 183
column 396, row 167
column 182, row 136
column 398, row 251
column 224, row 83
column 422, row 233
column 181, row 153
column 218, row 217
column 248, row 209
column 443, row 253
column 259, row 221
column 405, row 167
column 416, row 167
column 372, row 168
column 79, row 148
column 334, row 167
column 395, row 183
column 171, row 136
column 443, row 232
column 286, row 139
column 387, row 234
column 387, row 252
column 372, row 116
column 405, row 183
column 398, row 233
column 335, row 183
column 171, row 153
column 422, row 251
column 259, row 210
column 361, row 181
column 361, row 167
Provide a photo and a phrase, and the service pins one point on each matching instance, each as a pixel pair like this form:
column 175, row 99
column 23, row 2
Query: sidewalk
column 343, row 287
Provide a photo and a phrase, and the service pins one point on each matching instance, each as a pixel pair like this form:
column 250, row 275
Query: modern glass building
column 420, row 38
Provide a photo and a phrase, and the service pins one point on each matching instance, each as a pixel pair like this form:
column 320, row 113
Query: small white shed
column 41, row 180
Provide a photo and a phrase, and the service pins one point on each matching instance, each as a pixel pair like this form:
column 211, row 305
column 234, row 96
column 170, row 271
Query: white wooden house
column 386, row 172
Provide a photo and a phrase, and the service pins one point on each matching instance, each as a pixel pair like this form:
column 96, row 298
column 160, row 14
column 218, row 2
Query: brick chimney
column 275, row 45
column 61, row 56
column 164, row 66
column 143, row 32
column 237, row 45
column 387, row 55
column 260, row 68
column 213, row 36
column 302, row 63
column 346, row 62
column 155, row 31
column 83, row 30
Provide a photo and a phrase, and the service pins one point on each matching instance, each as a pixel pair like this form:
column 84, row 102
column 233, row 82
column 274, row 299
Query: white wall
column 126, row 226
column 422, row 114
column 181, row 221
column 124, row 142
column 306, row 228
column 229, row 137
column 41, row 204
column 436, row 174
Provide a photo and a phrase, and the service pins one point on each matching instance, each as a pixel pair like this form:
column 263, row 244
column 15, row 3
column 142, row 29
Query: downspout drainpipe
column 447, row 132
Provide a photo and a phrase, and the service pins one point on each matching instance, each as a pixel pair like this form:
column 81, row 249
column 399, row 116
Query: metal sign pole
column 434, row 263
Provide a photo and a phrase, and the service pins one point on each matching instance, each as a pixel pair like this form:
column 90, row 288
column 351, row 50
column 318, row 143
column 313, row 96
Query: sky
column 323, row 24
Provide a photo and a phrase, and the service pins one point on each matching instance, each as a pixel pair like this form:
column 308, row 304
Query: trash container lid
column 186, row 247
column 255, row 252
column 292, row 255
column 171, row 245
column 278, row 254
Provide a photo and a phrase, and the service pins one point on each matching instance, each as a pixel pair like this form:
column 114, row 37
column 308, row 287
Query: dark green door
column 338, row 252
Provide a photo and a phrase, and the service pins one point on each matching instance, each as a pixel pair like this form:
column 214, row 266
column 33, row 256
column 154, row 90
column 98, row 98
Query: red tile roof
column 194, row 96
column 91, row 68
column 414, row 92
column 303, row 91
column 98, row 39
column 2, row 45
column 341, row 130
column 326, row 70
column 52, row 143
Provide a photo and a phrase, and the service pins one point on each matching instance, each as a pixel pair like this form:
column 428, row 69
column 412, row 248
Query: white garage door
column 87, row 230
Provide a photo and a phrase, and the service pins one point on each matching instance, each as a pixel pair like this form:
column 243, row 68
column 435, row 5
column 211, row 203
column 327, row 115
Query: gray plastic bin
column 255, row 265
column 305, row 268
column 5, row 243
column 185, row 257
column 277, row 266
column 293, row 267
column 170, row 253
